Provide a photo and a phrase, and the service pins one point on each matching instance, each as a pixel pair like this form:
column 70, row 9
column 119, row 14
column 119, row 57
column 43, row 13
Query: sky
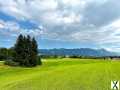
column 62, row 23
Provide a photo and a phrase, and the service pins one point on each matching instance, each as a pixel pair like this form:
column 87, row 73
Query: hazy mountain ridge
column 80, row 52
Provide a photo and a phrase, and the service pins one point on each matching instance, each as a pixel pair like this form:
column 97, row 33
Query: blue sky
column 62, row 23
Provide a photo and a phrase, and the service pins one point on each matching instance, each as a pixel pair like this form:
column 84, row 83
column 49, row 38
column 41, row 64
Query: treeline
column 69, row 56
column 6, row 53
column 24, row 53
column 80, row 57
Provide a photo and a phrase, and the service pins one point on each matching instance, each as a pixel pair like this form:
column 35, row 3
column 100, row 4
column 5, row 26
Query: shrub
column 39, row 62
column 11, row 63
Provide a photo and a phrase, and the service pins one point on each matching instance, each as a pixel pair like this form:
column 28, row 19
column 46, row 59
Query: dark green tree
column 19, row 50
column 35, row 60
column 3, row 53
column 27, row 51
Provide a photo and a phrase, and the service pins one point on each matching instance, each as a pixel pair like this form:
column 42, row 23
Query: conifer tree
column 35, row 60
column 19, row 49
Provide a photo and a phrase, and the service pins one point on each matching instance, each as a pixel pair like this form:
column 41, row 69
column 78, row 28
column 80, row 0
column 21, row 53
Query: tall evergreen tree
column 35, row 60
column 19, row 49
column 27, row 51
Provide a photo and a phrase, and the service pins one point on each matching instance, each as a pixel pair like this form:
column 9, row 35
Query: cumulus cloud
column 13, row 29
column 95, row 21
column 1, row 24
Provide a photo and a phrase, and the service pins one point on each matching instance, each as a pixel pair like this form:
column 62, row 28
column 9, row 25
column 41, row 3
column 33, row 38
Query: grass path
column 65, row 74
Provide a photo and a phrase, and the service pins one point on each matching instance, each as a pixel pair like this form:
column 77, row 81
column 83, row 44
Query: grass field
column 61, row 74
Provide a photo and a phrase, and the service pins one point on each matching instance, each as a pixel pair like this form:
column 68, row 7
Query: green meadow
column 61, row 74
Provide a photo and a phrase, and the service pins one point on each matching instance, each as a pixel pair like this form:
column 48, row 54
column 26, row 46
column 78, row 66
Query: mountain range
column 80, row 52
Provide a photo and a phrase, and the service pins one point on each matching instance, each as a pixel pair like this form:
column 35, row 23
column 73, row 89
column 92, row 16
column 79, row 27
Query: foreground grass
column 61, row 74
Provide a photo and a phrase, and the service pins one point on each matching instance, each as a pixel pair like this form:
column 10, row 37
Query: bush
column 11, row 63
column 75, row 56
column 3, row 56
column 39, row 62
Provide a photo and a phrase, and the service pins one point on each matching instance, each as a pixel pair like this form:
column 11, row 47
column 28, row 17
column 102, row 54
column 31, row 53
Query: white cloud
column 1, row 24
column 75, row 3
column 95, row 21
column 72, row 18
column 45, row 4
column 12, row 28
